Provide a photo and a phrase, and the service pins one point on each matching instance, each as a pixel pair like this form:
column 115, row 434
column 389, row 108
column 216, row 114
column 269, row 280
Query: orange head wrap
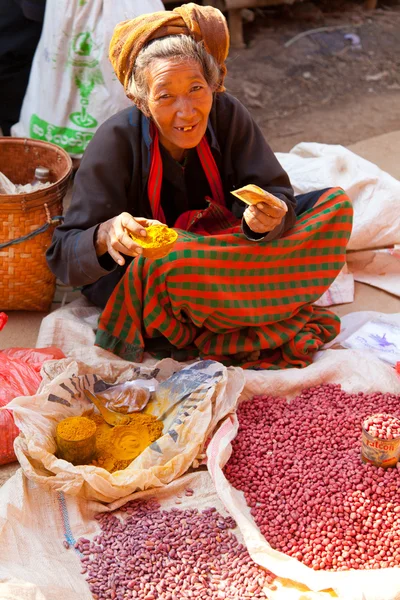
column 203, row 23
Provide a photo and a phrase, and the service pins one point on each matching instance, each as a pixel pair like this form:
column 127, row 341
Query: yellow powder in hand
column 118, row 446
column 157, row 236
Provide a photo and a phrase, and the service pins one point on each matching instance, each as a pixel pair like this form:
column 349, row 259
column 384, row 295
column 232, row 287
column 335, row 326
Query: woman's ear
column 140, row 105
column 145, row 110
column 130, row 96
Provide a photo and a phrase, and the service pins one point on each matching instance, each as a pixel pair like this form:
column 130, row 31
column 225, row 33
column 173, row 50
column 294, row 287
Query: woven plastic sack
column 356, row 371
column 36, row 557
column 374, row 193
column 72, row 86
column 189, row 401
column 19, row 376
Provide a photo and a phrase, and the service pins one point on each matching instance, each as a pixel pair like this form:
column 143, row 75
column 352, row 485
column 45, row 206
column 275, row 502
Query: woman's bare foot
column 247, row 356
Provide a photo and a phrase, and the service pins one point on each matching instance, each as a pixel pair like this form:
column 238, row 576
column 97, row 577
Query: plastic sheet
column 129, row 397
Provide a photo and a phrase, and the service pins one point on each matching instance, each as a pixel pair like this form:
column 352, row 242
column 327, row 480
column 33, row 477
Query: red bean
column 300, row 469
column 170, row 555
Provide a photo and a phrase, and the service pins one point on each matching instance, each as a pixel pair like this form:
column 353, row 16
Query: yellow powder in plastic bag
column 118, row 446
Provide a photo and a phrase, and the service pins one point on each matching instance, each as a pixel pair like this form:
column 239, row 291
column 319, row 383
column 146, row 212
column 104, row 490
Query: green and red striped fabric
column 224, row 294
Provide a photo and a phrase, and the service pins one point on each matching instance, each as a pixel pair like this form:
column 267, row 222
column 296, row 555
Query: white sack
column 379, row 268
column 34, row 538
column 72, row 86
column 70, row 328
column 355, row 371
column 375, row 194
column 16, row 589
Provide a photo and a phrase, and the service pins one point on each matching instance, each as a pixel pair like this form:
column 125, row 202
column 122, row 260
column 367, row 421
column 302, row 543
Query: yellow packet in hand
column 252, row 194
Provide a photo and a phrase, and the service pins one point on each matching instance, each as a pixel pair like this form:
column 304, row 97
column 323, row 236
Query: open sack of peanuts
column 295, row 469
column 288, row 509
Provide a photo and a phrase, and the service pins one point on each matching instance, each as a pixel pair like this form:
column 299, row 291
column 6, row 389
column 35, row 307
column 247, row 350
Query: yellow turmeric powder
column 118, row 446
column 75, row 429
column 75, row 437
column 157, row 236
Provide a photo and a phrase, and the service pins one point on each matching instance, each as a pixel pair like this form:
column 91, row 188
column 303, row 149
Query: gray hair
column 178, row 48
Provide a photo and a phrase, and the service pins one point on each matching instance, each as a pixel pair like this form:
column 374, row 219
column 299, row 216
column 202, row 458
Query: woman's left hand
column 262, row 218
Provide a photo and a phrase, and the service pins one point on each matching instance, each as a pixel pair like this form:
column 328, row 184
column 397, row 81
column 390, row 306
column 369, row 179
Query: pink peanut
column 299, row 466
column 383, row 426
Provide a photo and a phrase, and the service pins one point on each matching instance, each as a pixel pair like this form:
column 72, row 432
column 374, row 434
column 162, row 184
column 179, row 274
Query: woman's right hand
column 113, row 236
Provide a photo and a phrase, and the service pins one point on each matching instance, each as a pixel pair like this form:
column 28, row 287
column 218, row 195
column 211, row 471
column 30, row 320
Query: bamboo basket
column 27, row 222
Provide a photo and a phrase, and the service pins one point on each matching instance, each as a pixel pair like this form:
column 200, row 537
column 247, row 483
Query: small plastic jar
column 76, row 440
column 378, row 449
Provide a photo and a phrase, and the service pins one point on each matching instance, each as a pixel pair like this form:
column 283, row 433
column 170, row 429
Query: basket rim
column 32, row 142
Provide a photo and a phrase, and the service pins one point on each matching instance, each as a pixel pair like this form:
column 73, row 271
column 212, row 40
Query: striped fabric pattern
column 224, row 294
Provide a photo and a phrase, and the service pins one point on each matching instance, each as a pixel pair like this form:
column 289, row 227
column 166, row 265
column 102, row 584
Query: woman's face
column 180, row 101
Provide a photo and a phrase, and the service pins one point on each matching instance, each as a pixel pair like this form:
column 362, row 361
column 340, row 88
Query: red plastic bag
column 19, row 376
column 3, row 320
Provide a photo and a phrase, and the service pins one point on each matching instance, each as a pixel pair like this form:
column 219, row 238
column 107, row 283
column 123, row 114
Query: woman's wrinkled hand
column 262, row 218
column 113, row 236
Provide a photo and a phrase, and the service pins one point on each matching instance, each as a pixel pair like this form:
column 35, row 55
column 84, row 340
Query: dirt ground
column 335, row 86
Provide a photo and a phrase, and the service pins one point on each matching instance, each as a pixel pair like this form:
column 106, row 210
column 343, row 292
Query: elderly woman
column 240, row 282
